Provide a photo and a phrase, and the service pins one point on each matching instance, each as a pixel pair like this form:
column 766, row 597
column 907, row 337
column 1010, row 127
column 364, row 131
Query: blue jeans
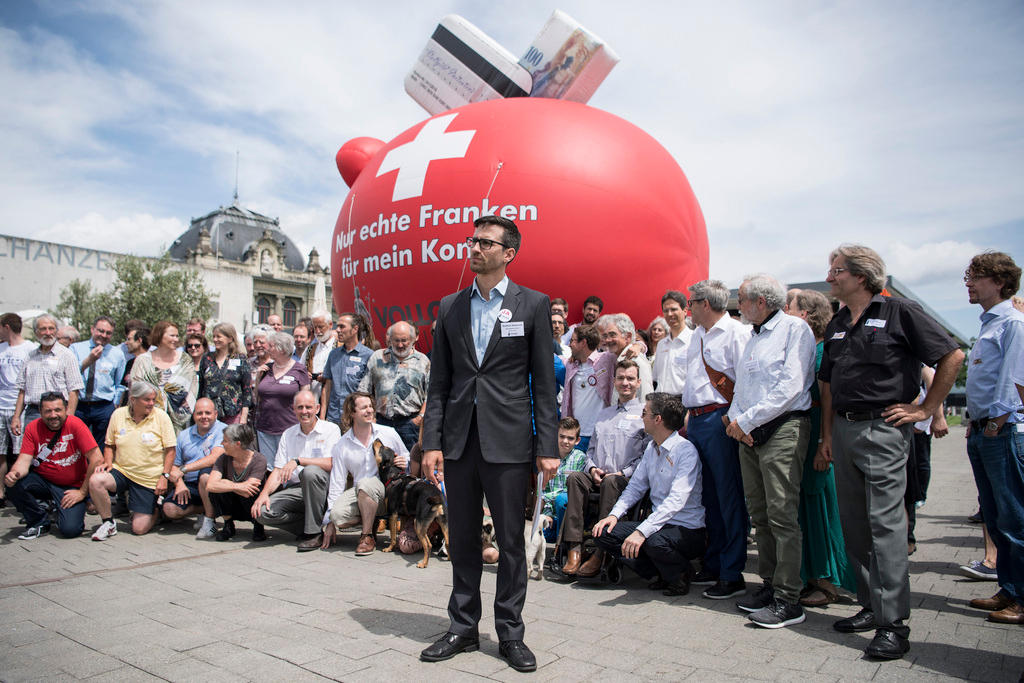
column 561, row 500
column 26, row 495
column 998, row 463
column 726, row 509
column 96, row 416
column 409, row 432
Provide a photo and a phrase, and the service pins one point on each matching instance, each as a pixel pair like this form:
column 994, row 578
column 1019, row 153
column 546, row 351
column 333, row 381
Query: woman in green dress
column 825, row 566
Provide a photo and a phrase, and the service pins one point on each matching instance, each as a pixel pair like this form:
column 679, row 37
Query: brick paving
column 167, row 607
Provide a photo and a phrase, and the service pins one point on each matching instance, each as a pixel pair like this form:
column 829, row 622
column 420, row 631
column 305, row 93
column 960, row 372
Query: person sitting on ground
column 354, row 454
column 197, row 450
column 58, row 454
column 572, row 460
column 236, row 480
column 138, row 458
column 295, row 495
column 662, row 546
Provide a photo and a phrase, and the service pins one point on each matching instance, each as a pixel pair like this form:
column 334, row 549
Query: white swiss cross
column 412, row 158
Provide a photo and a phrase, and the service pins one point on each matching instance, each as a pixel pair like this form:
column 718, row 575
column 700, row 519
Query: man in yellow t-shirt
column 138, row 457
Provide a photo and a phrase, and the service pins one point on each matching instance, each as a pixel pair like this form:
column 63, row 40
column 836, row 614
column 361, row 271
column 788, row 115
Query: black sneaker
column 681, row 586
column 259, row 534
column 723, row 590
column 762, row 597
column 227, row 531
column 778, row 614
column 704, row 578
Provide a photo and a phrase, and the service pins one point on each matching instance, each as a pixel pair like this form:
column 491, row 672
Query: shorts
column 346, row 508
column 9, row 443
column 140, row 499
column 193, row 495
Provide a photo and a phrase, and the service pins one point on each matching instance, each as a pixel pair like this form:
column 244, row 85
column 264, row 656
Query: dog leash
column 537, row 505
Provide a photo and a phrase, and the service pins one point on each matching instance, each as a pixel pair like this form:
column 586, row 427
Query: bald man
column 397, row 376
column 295, row 495
column 197, row 450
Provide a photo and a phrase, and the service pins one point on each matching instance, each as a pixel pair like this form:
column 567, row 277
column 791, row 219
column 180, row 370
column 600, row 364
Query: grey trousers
column 300, row 509
column 870, row 460
column 772, row 473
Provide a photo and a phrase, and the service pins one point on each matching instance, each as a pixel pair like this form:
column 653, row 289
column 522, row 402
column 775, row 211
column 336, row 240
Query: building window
column 262, row 309
column 290, row 313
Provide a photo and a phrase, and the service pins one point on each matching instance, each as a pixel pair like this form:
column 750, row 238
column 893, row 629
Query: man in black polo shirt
column 870, row 372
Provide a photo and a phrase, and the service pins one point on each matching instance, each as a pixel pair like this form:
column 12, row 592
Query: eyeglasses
column 484, row 243
column 835, row 271
column 973, row 277
column 193, row 346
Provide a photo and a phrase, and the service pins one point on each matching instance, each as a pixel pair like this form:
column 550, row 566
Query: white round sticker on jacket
column 504, row 315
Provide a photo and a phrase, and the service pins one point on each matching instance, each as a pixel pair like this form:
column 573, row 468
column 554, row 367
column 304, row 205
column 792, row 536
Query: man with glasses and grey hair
column 50, row 367
column 770, row 418
column 870, row 372
column 712, row 358
column 618, row 334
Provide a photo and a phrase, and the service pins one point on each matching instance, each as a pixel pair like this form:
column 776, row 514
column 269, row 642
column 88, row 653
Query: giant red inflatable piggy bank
column 602, row 207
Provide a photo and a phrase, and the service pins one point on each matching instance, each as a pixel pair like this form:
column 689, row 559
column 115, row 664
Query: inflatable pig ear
column 353, row 155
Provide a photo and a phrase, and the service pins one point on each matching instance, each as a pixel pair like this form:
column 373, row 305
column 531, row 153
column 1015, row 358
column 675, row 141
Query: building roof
column 234, row 231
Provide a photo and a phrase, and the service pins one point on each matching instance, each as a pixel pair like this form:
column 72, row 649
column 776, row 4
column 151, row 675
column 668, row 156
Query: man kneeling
column 661, row 546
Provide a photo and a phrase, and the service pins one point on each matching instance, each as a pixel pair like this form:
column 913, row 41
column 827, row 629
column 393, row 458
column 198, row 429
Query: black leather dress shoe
column 887, row 644
column 681, row 586
column 449, row 646
column 863, row 620
column 517, row 655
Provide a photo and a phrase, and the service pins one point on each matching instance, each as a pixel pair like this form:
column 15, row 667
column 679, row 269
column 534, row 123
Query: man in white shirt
column 353, row 454
column 661, row 546
column 770, row 417
column 617, row 333
column 711, row 361
column 295, row 495
column 324, row 340
column 670, row 358
column 13, row 352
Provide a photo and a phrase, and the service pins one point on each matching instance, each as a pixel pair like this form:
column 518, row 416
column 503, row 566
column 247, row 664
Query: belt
column 709, row 408
column 979, row 425
column 859, row 416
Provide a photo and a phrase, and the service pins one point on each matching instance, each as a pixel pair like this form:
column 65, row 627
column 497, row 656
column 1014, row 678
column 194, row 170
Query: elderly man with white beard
column 50, row 367
column 397, row 377
column 618, row 334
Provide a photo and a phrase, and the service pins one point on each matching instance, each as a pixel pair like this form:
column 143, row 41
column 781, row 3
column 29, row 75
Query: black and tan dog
column 406, row 496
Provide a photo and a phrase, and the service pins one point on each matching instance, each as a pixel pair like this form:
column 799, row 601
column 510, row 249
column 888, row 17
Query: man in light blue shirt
column 483, row 315
column 995, row 442
column 102, row 366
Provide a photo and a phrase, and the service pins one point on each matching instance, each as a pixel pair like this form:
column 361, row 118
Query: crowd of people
column 802, row 422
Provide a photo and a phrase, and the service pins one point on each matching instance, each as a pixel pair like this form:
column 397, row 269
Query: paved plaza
column 168, row 607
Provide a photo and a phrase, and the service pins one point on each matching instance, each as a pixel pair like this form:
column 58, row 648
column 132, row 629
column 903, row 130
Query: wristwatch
column 167, row 476
column 991, row 427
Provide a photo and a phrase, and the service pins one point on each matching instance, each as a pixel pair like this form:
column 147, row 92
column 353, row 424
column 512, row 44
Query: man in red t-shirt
column 58, row 454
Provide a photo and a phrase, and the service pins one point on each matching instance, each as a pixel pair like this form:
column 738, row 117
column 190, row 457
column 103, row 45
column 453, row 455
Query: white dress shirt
column 671, row 472
column 670, row 362
column 775, row 373
column 350, row 456
column 294, row 444
column 723, row 348
column 995, row 359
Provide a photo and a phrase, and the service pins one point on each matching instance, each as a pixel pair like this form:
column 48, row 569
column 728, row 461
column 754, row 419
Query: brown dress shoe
column 592, row 566
column 997, row 602
column 367, row 544
column 311, row 543
column 572, row 565
column 1011, row 614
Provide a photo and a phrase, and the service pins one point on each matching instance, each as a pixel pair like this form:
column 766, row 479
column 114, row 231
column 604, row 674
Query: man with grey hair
column 770, row 418
column 712, row 359
column 320, row 346
column 617, row 336
column 67, row 335
column 49, row 367
column 344, row 369
column 870, row 373
column 397, row 377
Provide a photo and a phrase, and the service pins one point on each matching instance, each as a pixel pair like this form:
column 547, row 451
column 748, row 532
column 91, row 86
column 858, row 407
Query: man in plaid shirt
column 555, row 494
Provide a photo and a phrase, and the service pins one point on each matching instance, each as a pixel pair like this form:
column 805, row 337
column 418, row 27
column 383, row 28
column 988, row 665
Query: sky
column 800, row 125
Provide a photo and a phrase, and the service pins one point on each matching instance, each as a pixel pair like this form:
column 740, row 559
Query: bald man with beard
column 397, row 376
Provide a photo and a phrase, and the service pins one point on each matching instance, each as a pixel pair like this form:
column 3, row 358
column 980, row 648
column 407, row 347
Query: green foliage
column 147, row 289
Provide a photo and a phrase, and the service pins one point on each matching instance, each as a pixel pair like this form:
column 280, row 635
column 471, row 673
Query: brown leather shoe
column 1011, row 614
column 311, row 543
column 572, row 565
column 997, row 602
column 592, row 566
column 367, row 544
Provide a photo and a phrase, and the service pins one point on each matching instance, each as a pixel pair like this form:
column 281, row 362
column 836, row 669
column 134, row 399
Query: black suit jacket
column 508, row 404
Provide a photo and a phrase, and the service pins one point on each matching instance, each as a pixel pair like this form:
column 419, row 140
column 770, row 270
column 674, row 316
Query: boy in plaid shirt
column 555, row 494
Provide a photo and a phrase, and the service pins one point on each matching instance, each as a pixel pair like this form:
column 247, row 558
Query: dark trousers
column 579, row 485
column 919, row 473
column 724, row 504
column 96, row 416
column 409, row 432
column 467, row 480
column 233, row 505
column 666, row 554
column 29, row 492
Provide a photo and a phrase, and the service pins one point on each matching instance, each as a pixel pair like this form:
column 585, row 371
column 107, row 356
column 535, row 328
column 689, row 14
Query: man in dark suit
column 490, row 412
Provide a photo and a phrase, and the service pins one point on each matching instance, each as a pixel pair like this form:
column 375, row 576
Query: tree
column 147, row 289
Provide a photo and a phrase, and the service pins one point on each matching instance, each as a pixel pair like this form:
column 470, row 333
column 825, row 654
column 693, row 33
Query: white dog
column 536, row 547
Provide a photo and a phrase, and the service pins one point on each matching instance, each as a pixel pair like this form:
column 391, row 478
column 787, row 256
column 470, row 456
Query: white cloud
column 139, row 234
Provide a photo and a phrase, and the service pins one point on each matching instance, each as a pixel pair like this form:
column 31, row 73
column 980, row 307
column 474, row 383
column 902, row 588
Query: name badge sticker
column 874, row 322
column 504, row 315
column 287, row 379
column 515, row 329
column 234, row 364
column 752, row 365
column 838, row 335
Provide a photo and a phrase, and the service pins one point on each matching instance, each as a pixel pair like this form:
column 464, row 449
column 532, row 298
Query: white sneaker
column 105, row 531
column 207, row 528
